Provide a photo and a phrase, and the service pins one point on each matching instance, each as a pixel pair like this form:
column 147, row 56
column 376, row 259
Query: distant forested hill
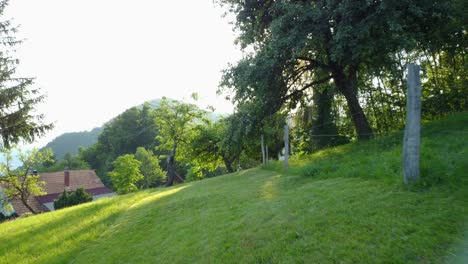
column 71, row 142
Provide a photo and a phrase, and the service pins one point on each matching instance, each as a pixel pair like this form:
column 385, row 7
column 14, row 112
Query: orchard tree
column 294, row 46
column 126, row 174
column 176, row 123
column 210, row 150
column 149, row 168
column 22, row 183
column 17, row 98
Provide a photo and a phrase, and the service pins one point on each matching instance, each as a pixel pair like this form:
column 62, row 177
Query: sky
column 96, row 58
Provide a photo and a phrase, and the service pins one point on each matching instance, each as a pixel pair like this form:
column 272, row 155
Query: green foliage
column 361, row 48
column 126, row 174
column 20, row 183
column 152, row 173
column 62, row 201
column 4, row 218
column 17, row 99
column 315, row 124
column 68, row 162
column 176, row 122
column 207, row 150
column 234, row 141
column 123, row 135
column 65, row 199
column 264, row 216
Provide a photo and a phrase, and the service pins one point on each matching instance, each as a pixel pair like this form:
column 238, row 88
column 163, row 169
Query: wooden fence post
column 412, row 138
column 262, row 144
column 286, row 146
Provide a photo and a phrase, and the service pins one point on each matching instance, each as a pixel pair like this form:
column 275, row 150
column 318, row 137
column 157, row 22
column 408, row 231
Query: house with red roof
column 56, row 182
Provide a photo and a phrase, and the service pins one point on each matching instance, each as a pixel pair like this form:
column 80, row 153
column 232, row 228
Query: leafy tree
column 297, row 45
column 17, row 98
column 20, row 183
column 234, row 140
column 68, row 162
column 315, row 125
column 65, row 199
column 126, row 174
column 206, row 150
column 132, row 129
column 73, row 162
column 152, row 173
column 176, row 123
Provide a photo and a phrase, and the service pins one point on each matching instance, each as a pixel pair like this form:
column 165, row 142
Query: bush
column 5, row 218
column 77, row 197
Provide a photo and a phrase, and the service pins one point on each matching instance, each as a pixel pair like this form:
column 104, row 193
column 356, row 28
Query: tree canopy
column 176, row 122
column 21, row 183
column 294, row 46
column 17, row 97
column 126, row 174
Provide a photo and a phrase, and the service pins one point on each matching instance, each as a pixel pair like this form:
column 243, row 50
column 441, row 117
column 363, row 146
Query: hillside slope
column 71, row 142
column 342, row 205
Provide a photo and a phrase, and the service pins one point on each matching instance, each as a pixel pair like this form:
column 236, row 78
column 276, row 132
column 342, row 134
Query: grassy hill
column 344, row 205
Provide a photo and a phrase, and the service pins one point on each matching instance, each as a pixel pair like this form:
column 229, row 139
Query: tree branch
column 315, row 63
column 307, row 87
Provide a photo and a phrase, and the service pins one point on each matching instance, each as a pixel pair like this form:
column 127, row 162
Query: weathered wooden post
column 286, row 146
column 412, row 138
column 262, row 143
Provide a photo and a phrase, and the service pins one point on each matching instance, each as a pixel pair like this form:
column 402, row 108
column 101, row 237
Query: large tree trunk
column 347, row 85
column 323, row 121
column 228, row 165
column 171, row 173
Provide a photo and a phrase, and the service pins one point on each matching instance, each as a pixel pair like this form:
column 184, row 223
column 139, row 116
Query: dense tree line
column 146, row 147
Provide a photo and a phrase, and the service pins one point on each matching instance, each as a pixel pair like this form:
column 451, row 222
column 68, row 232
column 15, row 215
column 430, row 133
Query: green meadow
column 342, row 205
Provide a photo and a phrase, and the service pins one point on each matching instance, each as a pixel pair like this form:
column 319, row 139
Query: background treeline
column 209, row 145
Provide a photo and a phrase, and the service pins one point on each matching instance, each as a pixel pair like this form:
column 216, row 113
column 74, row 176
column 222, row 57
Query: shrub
column 5, row 218
column 77, row 197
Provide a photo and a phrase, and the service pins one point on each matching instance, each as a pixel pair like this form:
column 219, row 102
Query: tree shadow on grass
column 55, row 235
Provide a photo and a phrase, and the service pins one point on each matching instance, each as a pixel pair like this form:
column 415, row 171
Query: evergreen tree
column 17, row 98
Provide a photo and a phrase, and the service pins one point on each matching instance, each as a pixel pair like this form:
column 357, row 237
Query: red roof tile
column 55, row 184
column 55, row 181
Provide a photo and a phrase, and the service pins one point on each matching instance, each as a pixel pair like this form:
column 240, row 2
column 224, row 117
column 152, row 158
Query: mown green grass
column 343, row 205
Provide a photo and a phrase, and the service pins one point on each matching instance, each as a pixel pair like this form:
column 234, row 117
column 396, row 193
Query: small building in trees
column 56, row 183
